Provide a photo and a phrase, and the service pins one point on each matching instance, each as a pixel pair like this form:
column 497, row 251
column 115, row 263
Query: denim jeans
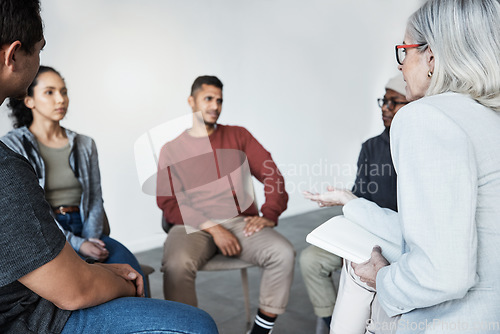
column 118, row 253
column 140, row 315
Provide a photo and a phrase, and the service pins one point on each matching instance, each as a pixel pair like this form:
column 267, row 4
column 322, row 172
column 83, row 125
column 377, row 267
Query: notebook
column 350, row 241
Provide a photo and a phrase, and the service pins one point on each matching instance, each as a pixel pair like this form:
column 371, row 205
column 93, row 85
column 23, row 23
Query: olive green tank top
column 61, row 185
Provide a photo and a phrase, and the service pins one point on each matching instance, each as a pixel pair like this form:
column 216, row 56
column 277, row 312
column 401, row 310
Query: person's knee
column 285, row 254
column 315, row 260
column 112, row 245
column 178, row 262
column 206, row 323
column 199, row 320
column 308, row 260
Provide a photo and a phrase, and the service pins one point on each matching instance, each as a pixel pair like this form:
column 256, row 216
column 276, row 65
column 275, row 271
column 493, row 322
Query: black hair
column 22, row 115
column 205, row 80
column 20, row 21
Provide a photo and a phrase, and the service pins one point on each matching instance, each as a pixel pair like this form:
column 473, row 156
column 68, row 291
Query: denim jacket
column 84, row 163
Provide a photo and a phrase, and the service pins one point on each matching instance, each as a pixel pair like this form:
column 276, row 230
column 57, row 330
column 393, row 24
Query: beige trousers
column 316, row 266
column 184, row 254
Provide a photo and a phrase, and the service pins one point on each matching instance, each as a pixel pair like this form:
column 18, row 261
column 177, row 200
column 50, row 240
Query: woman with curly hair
column 67, row 167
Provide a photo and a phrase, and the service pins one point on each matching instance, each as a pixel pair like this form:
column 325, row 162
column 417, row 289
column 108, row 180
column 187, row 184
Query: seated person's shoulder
column 29, row 232
column 377, row 143
column 11, row 162
column 237, row 131
column 234, row 128
column 83, row 141
column 19, row 140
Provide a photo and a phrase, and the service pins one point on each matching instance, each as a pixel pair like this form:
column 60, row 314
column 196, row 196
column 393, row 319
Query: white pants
column 353, row 307
column 357, row 310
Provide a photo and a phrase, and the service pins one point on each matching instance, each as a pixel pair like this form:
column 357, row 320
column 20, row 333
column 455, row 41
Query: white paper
column 350, row 241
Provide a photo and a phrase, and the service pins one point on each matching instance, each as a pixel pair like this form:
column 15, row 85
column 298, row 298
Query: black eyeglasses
column 390, row 103
column 401, row 51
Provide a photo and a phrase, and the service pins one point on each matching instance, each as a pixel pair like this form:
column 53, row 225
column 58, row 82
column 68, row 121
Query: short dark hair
column 205, row 80
column 22, row 115
column 20, row 21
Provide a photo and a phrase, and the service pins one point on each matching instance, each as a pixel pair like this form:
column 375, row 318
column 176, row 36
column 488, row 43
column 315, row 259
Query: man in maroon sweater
column 211, row 210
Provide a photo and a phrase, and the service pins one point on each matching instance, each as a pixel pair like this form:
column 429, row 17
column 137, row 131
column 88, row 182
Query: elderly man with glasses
column 375, row 181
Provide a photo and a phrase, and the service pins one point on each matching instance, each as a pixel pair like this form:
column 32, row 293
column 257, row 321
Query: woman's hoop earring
column 429, row 74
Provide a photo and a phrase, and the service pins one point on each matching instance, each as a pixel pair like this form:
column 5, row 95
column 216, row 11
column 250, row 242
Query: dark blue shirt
column 376, row 176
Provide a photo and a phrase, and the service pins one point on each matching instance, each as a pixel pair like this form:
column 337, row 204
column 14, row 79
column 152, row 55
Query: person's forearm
column 71, row 284
column 103, row 285
column 211, row 227
column 97, row 285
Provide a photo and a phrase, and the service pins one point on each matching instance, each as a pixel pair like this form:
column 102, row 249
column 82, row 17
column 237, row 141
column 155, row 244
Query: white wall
column 301, row 76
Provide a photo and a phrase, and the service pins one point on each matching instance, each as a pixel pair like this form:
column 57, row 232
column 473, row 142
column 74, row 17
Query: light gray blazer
column 446, row 151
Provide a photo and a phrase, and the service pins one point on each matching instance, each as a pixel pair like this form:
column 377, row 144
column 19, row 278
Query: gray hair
column 464, row 36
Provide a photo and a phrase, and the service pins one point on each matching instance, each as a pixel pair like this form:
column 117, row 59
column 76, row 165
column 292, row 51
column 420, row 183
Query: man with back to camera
column 44, row 285
column 247, row 236
column 375, row 181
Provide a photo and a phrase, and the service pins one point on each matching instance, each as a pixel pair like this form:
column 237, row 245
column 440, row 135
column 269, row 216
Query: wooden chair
column 146, row 270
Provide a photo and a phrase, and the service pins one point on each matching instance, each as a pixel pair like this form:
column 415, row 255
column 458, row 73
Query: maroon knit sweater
column 194, row 166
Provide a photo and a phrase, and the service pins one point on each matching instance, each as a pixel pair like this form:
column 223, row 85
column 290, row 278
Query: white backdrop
column 302, row 76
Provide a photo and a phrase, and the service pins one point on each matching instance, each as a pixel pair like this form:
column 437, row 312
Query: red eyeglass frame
column 405, row 46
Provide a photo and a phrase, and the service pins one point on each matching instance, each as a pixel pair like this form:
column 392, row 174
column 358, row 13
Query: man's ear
column 430, row 58
column 191, row 101
column 10, row 53
column 28, row 102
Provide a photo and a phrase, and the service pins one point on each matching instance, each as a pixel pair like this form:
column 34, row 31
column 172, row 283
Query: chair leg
column 147, row 270
column 148, row 286
column 246, row 294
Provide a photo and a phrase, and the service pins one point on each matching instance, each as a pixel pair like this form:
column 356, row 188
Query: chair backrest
column 165, row 224
column 106, row 230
